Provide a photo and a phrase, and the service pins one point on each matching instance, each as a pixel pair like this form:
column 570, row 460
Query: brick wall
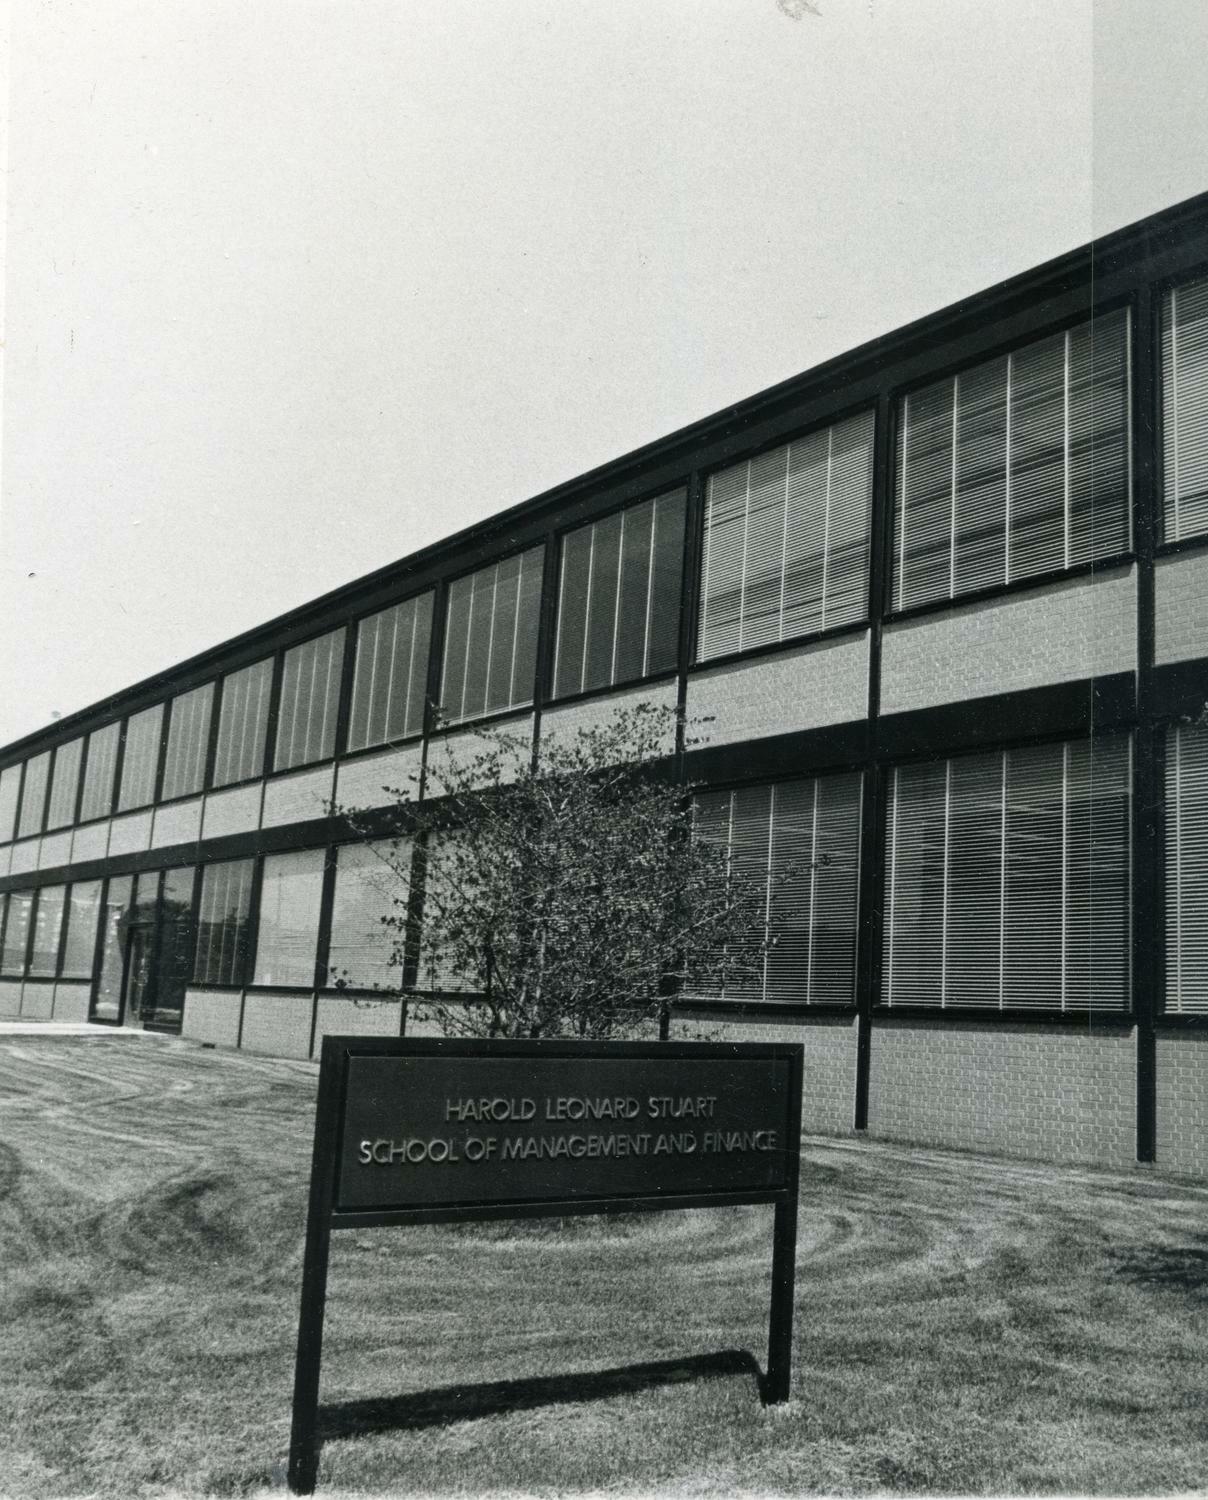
column 277, row 1024
column 589, row 712
column 828, row 1090
column 71, row 1001
column 1081, row 628
column 212, row 1016
column 799, row 688
column 340, row 1015
column 1182, row 1064
column 1061, row 1094
column 1181, row 607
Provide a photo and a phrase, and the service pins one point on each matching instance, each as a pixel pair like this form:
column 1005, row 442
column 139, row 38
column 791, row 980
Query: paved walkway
column 68, row 1028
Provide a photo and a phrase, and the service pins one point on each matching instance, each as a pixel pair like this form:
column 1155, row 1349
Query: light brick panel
column 591, row 712
column 1017, row 1090
column 1181, row 607
column 277, row 1024
column 10, row 997
column 340, row 1015
column 211, row 1016
column 1182, row 1064
column 71, row 1001
column 800, row 688
column 829, row 1073
column 1081, row 628
column 37, row 1002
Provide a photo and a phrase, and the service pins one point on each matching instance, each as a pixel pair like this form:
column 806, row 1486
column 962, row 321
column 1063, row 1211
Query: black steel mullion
column 436, row 655
column 49, row 789
column 61, row 951
column 98, row 948
column 119, row 765
column 274, row 710
column 690, row 588
column 546, row 624
column 211, row 760
column 870, row 927
column 77, row 806
column 161, row 753
column 247, row 972
column 352, row 631
column 326, row 909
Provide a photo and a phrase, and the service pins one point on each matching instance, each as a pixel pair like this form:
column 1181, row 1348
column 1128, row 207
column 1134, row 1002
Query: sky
column 295, row 287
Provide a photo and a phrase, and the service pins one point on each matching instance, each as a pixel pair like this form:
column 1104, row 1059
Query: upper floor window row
column 1185, row 411
column 1015, row 468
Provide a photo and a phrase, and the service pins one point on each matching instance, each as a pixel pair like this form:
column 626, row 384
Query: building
column 945, row 602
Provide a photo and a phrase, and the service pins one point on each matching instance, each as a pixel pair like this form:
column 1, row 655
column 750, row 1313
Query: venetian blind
column 1187, row 870
column 99, row 768
column 799, row 842
column 1015, row 468
column 141, row 758
column 222, row 923
column 1185, row 410
column 490, row 658
column 10, row 789
column 786, row 541
column 64, row 783
column 1008, row 879
column 33, row 794
column 310, row 698
column 188, row 741
column 391, row 674
column 242, row 723
column 619, row 597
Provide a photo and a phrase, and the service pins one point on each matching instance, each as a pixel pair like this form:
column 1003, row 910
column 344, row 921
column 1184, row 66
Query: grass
column 963, row 1325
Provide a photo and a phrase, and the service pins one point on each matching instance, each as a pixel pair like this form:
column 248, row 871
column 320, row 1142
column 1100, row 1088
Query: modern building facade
column 942, row 604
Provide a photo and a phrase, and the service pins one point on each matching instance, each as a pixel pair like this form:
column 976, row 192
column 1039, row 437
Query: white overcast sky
column 294, row 287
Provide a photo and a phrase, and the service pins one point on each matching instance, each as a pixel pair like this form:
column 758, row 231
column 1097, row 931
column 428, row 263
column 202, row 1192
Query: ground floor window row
column 1007, row 884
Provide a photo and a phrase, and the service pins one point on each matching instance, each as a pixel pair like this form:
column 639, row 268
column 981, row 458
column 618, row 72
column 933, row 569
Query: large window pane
column 99, row 768
column 16, row 932
column 242, row 723
column 33, row 794
column 491, row 638
column 64, row 784
column 188, row 739
column 289, row 918
column 310, row 697
column 1007, row 879
column 786, row 541
column 176, row 937
column 140, row 758
column 798, row 841
column 48, row 927
column 367, row 892
column 120, row 897
column 1185, row 410
column 83, row 912
column 222, row 929
column 10, row 789
column 618, row 597
column 1017, row 467
column 391, row 674
column 1187, row 870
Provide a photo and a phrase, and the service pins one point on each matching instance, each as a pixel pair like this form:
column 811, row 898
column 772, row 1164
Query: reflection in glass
column 83, row 910
column 289, row 918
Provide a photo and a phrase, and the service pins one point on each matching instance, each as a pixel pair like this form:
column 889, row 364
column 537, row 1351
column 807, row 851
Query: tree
column 569, row 898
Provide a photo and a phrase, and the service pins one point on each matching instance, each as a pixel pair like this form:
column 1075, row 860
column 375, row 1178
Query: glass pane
column 98, row 773
column 370, row 903
column 188, row 740
column 33, row 796
column 141, row 758
column 10, row 787
column 310, row 696
column 289, row 918
column 48, row 926
column 64, row 784
column 177, row 934
column 391, row 673
column 16, row 932
column 242, row 723
column 222, row 932
column 119, row 896
column 83, row 912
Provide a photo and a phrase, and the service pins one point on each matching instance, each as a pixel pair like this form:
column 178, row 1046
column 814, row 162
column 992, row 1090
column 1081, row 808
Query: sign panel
column 441, row 1130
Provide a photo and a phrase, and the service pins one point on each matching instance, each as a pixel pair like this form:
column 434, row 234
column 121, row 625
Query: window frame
column 341, row 626
column 1160, row 289
column 353, row 625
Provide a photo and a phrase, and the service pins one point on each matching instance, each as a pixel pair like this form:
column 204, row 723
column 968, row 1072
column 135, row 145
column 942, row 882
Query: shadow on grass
column 1184, row 1267
column 463, row 1403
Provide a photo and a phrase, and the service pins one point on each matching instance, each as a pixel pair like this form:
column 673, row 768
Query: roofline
column 1058, row 274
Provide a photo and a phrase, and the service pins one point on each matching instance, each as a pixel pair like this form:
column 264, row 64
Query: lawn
column 963, row 1324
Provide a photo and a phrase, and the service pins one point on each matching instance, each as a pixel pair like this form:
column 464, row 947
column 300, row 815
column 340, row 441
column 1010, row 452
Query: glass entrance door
column 139, row 996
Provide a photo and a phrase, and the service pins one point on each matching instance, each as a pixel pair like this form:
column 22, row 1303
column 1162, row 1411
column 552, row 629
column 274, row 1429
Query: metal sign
column 431, row 1130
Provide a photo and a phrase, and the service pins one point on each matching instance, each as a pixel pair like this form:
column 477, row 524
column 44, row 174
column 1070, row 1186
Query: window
column 222, row 927
column 390, row 680
column 800, row 840
column 619, row 597
column 786, row 541
column 188, row 739
column 491, row 639
column 119, row 905
column 1015, row 468
column 242, row 723
column 174, row 946
column 83, row 913
column 141, row 758
column 1187, row 870
column 16, row 932
column 290, row 894
column 368, row 891
column 1185, row 410
column 1008, row 879
column 99, row 771
column 10, row 790
column 48, row 928
column 33, row 796
column 64, row 784
column 310, row 698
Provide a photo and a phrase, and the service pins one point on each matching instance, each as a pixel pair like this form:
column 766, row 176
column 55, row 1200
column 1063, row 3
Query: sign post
column 429, row 1130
